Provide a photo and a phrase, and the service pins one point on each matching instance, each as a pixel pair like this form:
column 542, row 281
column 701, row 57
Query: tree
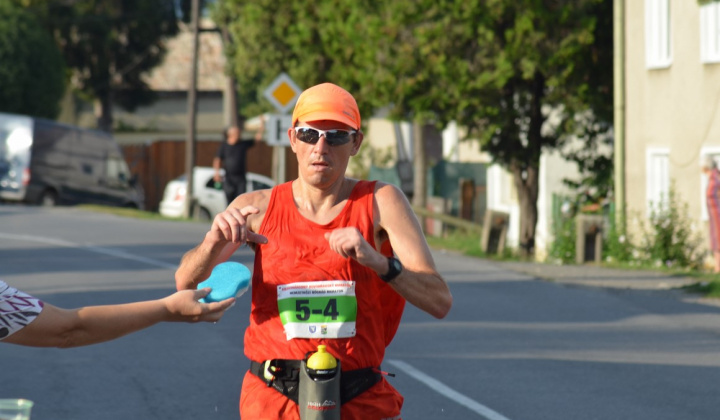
column 525, row 61
column 32, row 76
column 109, row 45
column 498, row 67
column 311, row 42
column 335, row 41
column 501, row 68
column 416, row 74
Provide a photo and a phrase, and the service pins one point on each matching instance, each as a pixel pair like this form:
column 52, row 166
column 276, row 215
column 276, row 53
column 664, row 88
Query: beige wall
column 674, row 108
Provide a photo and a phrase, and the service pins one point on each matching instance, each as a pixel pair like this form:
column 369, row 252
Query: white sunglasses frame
column 324, row 133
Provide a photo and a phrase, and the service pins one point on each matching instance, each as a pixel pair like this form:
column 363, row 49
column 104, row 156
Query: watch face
column 394, row 269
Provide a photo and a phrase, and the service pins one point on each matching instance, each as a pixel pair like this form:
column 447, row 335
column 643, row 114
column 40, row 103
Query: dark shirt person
column 232, row 157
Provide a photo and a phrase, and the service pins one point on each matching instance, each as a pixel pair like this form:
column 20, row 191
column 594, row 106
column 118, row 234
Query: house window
column 658, row 178
column 710, row 33
column 658, row 53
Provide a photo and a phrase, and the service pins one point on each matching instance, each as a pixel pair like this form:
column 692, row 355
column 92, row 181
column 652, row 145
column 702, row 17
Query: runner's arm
column 419, row 282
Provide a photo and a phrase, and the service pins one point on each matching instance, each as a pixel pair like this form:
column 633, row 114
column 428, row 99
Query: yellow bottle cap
column 321, row 360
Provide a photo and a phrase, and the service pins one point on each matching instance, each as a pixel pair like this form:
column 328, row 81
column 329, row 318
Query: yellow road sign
column 282, row 93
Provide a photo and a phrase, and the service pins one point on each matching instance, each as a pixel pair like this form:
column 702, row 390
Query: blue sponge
column 228, row 279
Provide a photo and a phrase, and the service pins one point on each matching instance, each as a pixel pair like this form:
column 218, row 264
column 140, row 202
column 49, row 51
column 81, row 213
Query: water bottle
column 319, row 393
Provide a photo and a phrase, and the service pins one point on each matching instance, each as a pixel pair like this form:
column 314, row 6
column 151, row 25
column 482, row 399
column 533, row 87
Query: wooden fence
column 157, row 163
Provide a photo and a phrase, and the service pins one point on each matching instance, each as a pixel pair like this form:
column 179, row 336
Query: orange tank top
column 297, row 251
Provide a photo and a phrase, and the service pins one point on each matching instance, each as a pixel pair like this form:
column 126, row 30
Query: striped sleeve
column 17, row 310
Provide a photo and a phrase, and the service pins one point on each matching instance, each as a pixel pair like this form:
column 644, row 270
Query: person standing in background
column 232, row 157
column 712, row 199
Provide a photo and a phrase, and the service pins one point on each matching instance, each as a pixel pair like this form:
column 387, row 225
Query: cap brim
column 327, row 116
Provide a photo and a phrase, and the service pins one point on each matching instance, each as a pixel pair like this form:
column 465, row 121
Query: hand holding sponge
column 228, row 279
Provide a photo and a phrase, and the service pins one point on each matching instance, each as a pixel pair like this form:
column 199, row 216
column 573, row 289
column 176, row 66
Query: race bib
column 318, row 309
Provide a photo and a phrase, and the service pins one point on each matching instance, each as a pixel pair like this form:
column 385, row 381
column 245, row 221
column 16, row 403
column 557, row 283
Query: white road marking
column 89, row 247
column 448, row 392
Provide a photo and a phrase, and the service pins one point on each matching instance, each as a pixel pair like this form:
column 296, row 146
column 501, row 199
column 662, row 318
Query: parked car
column 48, row 163
column 210, row 198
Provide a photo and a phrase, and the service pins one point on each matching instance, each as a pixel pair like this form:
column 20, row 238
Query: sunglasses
column 332, row 137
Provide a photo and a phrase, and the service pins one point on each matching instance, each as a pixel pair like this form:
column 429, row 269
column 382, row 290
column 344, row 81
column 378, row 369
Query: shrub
column 617, row 247
column 562, row 250
column 670, row 239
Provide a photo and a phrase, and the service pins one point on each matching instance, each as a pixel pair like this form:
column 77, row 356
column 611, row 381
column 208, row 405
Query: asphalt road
column 513, row 347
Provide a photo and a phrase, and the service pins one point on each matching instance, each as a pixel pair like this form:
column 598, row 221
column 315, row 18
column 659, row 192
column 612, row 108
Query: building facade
column 672, row 74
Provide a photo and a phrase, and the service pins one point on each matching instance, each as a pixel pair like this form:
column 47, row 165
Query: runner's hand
column 350, row 243
column 231, row 226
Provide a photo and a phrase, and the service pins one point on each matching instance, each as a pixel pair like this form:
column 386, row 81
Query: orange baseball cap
column 327, row 101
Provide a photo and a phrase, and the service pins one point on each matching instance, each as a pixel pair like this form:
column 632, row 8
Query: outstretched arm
column 57, row 327
column 419, row 282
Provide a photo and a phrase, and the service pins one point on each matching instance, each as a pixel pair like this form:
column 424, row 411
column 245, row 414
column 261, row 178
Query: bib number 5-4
column 318, row 309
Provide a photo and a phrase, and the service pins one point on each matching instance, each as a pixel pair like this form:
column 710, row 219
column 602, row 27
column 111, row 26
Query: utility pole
column 192, row 111
column 619, row 112
column 232, row 100
column 419, row 198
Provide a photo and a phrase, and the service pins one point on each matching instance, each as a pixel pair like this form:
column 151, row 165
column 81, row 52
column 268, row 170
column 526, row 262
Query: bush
column 562, row 250
column 617, row 247
column 670, row 238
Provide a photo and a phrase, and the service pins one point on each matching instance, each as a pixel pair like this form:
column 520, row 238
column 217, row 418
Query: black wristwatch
column 394, row 270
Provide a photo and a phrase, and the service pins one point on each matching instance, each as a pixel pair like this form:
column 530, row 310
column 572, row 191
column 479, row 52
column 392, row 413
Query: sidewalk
column 591, row 275
column 597, row 276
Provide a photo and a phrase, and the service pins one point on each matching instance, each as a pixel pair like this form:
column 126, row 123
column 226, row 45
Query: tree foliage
column 540, row 70
column 109, row 45
column 32, row 76
column 521, row 75
column 311, row 42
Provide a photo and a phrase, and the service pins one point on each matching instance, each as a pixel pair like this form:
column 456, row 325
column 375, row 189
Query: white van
column 47, row 163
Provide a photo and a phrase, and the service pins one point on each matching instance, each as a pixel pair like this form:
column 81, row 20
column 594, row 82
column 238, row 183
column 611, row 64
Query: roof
column 174, row 72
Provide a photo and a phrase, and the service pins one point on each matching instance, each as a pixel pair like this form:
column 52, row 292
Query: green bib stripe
column 333, row 309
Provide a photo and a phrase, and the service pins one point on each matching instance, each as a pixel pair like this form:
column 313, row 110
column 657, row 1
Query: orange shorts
column 260, row 402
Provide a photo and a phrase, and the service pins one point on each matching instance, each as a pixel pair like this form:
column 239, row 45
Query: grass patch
column 708, row 285
column 467, row 243
column 464, row 243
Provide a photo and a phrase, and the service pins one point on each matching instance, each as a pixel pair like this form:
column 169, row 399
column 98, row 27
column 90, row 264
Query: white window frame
column 657, row 177
column 658, row 45
column 715, row 153
column 710, row 33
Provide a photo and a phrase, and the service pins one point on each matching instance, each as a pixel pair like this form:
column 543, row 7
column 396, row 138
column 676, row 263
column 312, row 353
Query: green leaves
column 497, row 67
column 32, row 78
column 109, row 45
